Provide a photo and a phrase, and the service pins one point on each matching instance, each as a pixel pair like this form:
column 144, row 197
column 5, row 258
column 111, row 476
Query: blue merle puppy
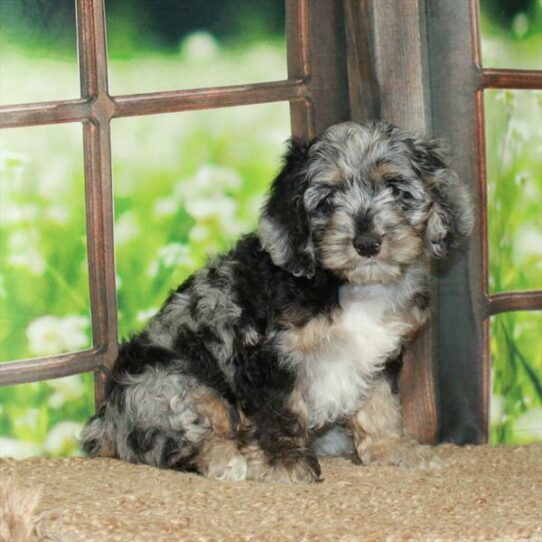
column 276, row 352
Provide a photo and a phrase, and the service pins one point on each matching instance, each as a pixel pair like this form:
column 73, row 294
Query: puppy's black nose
column 368, row 244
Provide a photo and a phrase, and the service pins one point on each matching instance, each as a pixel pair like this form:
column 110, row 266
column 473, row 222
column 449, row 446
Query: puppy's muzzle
column 367, row 244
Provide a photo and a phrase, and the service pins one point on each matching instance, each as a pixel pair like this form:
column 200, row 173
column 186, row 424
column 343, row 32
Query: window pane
column 514, row 171
column 45, row 418
column 38, row 51
column 511, row 34
column 516, row 364
column 159, row 45
column 186, row 186
column 44, row 295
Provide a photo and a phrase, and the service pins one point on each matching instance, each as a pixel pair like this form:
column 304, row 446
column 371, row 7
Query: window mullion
column 98, row 183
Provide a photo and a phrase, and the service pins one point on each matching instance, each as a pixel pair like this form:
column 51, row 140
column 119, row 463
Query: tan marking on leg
column 379, row 436
column 297, row 406
column 220, row 458
column 308, row 337
column 107, row 449
column 216, row 410
column 380, row 415
column 295, row 469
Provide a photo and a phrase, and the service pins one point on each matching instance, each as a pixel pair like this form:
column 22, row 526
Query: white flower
column 153, row 268
column 170, row 256
column 144, row 316
column 496, row 407
column 18, row 449
column 507, row 97
column 31, row 259
column 528, row 244
column 520, row 25
column 49, row 335
column 175, row 254
column 198, row 233
column 126, row 228
column 528, row 184
column 11, row 171
column 218, row 206
column 14, row 213
column 58, row 214
column 11, row 160
column 199, row 46
column 65, row 389
column 204, row 194
column 55, row 178
column 63, row 438
column 165, row 207
column 210, row 179
column 529, row 424
column 74, row 329
column 23, row 251
column 519, row 130
column 28, row 420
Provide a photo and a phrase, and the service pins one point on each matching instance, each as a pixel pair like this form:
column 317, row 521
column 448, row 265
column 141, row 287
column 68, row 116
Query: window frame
column 313, row 103
column 367, row 60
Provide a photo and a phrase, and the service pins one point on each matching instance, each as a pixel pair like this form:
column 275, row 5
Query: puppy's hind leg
column 218, row 455
column 379, row 435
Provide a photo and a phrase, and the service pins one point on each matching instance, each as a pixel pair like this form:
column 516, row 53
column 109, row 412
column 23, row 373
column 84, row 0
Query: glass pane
column 186, row 186
column 516, row 365
column 44, row 297
column 511, row 32
column 168, row 45
column 38, row 51
column 514, row 171
column 45, row 418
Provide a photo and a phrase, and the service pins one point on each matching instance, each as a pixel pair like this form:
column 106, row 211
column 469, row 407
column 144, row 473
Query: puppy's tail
column 95, row 440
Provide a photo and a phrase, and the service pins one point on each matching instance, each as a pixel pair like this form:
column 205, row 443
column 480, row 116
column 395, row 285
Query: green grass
column 514, row 173
column 514, row 148
column 186, row 185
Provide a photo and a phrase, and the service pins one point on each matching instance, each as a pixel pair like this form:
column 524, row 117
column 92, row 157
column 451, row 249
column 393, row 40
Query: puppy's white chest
column 335, row 375
column 370, row 323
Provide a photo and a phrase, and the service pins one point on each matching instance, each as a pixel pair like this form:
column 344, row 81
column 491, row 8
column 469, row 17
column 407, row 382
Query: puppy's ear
column 284, row 226
column 451, row 217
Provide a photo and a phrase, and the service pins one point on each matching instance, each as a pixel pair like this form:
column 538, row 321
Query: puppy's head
column 364, row 201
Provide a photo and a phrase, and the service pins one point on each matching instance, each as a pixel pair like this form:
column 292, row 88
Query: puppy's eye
column 401, row 194
column 395, row 191
column 325, row 204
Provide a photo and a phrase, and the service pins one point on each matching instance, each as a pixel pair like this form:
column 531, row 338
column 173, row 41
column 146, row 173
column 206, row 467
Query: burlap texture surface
column 480, row 493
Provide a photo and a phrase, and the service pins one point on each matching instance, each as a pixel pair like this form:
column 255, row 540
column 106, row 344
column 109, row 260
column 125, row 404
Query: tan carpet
column 481, row 493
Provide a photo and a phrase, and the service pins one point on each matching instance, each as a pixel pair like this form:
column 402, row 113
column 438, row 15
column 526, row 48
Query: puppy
column 278, row 350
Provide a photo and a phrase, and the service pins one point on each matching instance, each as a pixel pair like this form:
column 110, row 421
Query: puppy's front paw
column 294, row 471
column 292, row 468
column 400, row 452
column 233, row 468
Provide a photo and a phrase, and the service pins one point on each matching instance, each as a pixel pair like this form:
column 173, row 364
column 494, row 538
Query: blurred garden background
column 186, row 185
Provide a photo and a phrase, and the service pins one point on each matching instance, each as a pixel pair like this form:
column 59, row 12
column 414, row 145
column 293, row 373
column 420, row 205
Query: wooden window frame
column 314, row 94
column 416, row 63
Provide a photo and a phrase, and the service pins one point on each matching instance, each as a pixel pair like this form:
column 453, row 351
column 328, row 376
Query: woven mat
column 481, row 493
